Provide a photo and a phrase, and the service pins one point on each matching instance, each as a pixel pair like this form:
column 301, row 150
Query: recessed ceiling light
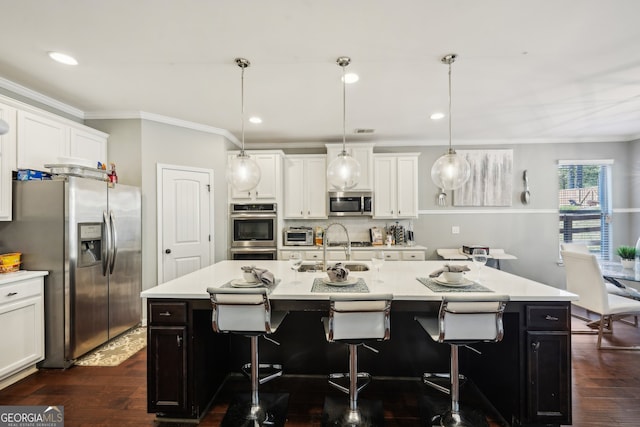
column 436, row 116
column 63, row 58
column 351, row 78
column 255, row 120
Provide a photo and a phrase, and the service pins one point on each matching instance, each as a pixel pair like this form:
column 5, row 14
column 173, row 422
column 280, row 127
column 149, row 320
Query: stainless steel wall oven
column 253, row 230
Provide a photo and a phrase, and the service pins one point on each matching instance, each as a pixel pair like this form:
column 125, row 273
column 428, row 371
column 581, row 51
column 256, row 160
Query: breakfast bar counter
column 526, row 376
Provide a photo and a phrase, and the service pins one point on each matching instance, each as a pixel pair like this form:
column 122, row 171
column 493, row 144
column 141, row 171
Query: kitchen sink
column 317, row 267
column 357, row 267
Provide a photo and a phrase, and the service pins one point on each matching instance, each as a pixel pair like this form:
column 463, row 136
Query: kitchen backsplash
column 358, row 227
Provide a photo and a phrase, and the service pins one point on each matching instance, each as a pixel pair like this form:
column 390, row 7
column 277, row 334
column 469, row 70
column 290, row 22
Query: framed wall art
column 491, row 180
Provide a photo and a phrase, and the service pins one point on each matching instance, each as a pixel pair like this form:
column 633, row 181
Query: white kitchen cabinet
column 396, row 185
column 42, row 138
column 89, row 145
column 268, row 189
column 7, row 160
column 305, row 191
column 22, row 320
column 363, row 153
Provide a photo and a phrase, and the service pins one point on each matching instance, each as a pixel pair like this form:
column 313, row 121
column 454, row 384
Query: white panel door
column 186, row 221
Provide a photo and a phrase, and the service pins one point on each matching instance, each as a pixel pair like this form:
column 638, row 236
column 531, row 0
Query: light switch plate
column 455, row 229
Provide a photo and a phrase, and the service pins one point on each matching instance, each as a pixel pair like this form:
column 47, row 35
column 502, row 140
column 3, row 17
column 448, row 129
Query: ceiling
column 527, row 71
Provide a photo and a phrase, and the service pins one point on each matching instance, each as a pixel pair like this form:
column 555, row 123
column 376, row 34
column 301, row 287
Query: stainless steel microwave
column 350, row 203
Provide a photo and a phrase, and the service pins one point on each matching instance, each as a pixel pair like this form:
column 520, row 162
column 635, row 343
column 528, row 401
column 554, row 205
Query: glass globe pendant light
column 243, row 173
column 450, row 171
column 343, row 172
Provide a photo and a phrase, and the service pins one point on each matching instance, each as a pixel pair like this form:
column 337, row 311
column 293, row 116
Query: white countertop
column 456, row 254
column 20, row 275
column 398, row 277
column 354, row 248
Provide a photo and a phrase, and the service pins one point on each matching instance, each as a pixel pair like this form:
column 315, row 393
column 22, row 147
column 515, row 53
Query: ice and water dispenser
column 90, row 244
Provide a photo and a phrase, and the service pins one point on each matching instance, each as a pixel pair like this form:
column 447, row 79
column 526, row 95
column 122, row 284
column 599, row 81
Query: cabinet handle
column 165, row 313
column 308, row 212
column 549, row 317
column 301, row 213
column 179, row 340
column 392, row 212
column 12, row 294
column 535, row 345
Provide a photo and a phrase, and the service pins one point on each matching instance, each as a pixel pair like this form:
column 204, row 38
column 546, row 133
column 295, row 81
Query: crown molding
column 158, row 118
column 41, row 98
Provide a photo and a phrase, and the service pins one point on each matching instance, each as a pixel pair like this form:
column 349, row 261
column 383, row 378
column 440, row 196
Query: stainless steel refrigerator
column 87, row 234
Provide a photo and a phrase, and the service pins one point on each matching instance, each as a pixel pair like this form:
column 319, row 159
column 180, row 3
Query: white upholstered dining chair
column 584, row 278
column 584, row 249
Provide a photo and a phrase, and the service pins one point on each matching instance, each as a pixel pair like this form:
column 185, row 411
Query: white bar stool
column 463, row 320
column 248, row 312
column 353, row 320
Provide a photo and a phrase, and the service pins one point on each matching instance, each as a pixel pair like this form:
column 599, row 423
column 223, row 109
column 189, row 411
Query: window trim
column 608, row 209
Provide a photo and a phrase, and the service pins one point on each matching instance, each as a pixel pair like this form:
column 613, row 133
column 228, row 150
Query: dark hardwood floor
column 606, row 391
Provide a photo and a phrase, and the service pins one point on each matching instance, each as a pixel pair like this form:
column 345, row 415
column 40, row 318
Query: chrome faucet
column 325, row 241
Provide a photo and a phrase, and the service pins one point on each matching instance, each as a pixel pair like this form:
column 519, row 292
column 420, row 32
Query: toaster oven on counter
column 298, row 236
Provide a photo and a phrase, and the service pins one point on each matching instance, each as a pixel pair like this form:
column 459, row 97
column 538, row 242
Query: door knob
column 167, row 251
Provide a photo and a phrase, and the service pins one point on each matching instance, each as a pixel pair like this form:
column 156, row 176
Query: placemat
column 437, row 287
column 270, row 288
column 319, row 286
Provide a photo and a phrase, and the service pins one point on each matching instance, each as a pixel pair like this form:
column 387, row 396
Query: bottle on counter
column 113, row 176
column 319, row 236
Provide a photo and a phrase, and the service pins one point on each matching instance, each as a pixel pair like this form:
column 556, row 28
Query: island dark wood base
column 526, row 376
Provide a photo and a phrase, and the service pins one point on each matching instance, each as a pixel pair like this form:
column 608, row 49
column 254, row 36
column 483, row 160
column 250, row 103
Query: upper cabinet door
column 396, row 185
column 88, row 145
column 407, row 190
column 7, row 160
column 363, row 153
column 315, row 187
column 294, row 187
column 40, row 141
column 305, row 192
column 269, row 187
column 384, row 195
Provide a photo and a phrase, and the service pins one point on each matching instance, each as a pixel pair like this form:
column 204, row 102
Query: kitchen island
column 527, row 376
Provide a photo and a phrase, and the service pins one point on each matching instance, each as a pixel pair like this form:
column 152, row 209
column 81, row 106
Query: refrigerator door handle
column 106, row 242
column 114, row 242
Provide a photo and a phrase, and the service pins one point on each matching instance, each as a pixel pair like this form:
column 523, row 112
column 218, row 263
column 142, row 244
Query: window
column 584, row 204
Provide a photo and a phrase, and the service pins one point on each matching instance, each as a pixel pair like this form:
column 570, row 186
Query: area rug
column 117, row 350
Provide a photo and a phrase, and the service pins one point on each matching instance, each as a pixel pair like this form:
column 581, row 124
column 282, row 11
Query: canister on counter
column 318, row 236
